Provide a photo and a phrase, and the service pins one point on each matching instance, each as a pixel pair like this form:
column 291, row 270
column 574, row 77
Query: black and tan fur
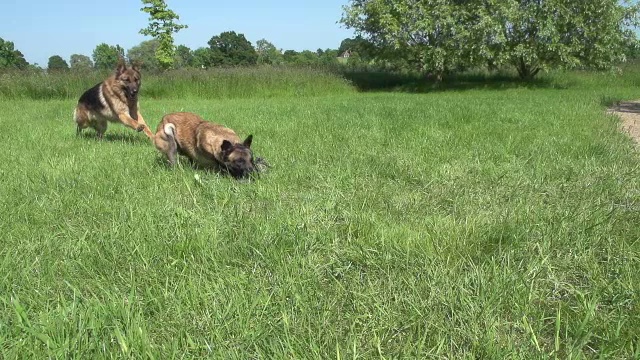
column 206, row 143
column 115, row 99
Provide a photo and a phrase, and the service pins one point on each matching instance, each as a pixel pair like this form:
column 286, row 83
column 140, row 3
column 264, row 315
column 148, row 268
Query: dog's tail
column 170, row 130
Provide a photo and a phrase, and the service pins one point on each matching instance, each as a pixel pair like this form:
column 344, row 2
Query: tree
column 428, row 33
column 328, row 56
column 80, row 62
column 231, row 49
column 531, row 35
column 106, row 56
column 184, row 57
column 290, row 56
column 541, row 35
column 201, row 58
column 10, row 57
column 268, row 53
column 162, row 25
column 357, row 44
column 307, row 57
column 145, row 54
column 57, row 63
column 19, row 60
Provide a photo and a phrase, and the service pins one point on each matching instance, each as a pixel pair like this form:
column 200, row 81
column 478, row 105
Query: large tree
column 106, row 56
column 57, row 63
column 10, row 57
column 232, row 49
column 540, row 35
column 425, row 33
column 531, row 35
column 80, row 62
column 145, row 54
column 162, row 25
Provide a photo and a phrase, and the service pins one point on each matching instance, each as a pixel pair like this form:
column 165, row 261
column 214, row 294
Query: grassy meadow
column 479, row 219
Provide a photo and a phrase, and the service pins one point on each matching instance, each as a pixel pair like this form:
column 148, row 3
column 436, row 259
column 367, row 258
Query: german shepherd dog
column 115, row 99
column 205, row 143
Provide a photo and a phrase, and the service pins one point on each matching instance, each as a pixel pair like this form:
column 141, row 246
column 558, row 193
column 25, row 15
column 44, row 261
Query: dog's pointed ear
column 247, row 141
column 226, row 146
column 122, row 67
column 137, row 64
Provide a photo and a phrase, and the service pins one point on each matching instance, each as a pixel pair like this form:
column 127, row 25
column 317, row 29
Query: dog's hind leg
column 101, row 127
column 172, row 151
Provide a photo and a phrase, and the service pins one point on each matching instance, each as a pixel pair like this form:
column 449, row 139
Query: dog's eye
column 125, row 78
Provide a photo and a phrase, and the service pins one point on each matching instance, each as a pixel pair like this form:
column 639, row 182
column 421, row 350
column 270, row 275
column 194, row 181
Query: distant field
column 473, row 220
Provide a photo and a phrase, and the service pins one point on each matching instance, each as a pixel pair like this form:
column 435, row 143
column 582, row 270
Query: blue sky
column 42, row 28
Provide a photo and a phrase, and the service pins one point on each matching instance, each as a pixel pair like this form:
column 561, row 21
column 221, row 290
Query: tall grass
column 179, row 84
column 291, row 81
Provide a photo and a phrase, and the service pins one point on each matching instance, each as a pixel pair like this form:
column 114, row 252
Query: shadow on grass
column 617, row 105
column 262, row 166
column 380, row 81
column 133, row 139
column 620, row 105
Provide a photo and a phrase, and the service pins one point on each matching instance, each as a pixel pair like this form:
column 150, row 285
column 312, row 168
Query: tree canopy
column 184, row 57
column 268, row 53
column 10, row 57
column 530, row 35
column 145, row 54
column 80, row 62
column 57, row 63
column 106, row 56
column 232, row 49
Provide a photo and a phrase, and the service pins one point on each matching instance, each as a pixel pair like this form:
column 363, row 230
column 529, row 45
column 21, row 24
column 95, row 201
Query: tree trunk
column 526, row 71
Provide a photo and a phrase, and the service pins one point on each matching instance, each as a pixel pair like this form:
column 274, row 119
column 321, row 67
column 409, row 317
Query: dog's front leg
column 147, row 131
column 130, row 122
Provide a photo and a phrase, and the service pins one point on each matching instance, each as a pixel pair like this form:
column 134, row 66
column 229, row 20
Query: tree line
column 434, row 36
column 226, row 49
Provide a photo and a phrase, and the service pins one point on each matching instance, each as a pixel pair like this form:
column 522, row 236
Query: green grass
column 471, row 223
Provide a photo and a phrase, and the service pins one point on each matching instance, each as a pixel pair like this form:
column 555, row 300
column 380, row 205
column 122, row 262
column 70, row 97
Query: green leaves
column 531, row 35
column 145, row 53
column 162, row 25
column 57, row 63
column 10, row 57
column 268, row 53
column 80, row 62
column 106, row 56
column 231, row 48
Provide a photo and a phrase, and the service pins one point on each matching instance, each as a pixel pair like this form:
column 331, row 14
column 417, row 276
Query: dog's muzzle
column 131, row 93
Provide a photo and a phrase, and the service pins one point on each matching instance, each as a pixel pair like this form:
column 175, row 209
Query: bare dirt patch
column 629, row 113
